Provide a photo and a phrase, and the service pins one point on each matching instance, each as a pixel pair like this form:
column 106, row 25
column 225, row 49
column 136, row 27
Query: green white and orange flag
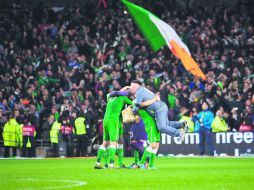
column 158, row 33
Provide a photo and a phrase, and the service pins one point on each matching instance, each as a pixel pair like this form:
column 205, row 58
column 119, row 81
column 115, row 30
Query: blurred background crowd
column 57, row 60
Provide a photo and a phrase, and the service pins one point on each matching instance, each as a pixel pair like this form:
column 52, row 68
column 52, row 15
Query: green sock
column 136, row 157
column 106, row 156
column 152, row 158
column 100, row 153
column 112, row 153
column 147, row 152
column 120, row 154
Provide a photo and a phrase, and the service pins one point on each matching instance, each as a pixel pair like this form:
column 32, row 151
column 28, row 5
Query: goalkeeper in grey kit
column 158, row 110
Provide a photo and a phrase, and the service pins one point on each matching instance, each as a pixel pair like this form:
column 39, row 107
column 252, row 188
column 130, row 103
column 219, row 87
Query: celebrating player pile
column 154, row 116
column 113, row 130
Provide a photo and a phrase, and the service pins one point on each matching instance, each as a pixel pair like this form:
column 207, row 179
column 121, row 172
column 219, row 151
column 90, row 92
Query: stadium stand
column 58, row 58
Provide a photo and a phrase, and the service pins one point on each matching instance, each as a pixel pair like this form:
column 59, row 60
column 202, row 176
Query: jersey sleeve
column 119, row 93
column 137, row 102
column 127, row 101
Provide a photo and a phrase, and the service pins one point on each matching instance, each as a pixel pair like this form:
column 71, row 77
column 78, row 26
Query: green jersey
column 150, row 126
column 115, row 106
column 112, row 127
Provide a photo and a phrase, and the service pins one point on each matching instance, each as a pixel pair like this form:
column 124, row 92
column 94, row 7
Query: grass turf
column 173, row 173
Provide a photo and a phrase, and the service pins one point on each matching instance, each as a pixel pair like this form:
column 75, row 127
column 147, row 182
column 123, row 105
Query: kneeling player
column 138, row 138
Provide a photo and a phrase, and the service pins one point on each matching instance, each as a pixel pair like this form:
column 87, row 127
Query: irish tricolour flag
column 158, row 33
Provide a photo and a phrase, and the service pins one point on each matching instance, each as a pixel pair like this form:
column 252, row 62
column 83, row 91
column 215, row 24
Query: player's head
column 135, row 84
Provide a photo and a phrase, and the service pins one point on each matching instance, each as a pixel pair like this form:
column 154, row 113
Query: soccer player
column 112, row 129
column 157, row 110
column 153, row 138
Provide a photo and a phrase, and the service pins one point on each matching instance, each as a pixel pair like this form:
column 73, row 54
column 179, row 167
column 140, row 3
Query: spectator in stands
column 10, row 132
column 54, row 137
column 46, row 126
column 219, row 124
column 171, row 98
column 3, row 120
column 203, row 122
column 67, row 132
column 65, row 105
column 247, row 118
column 55, row 113
column 80, row 134
column 185, row 116
column 28, row 133
column 234, row 119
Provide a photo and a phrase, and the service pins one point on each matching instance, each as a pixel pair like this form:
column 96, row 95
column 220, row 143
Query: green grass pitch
column 173, row 173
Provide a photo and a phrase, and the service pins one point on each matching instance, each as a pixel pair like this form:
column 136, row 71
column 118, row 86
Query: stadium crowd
column 54, row 59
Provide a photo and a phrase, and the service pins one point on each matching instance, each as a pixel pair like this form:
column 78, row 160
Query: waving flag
column 158, row 33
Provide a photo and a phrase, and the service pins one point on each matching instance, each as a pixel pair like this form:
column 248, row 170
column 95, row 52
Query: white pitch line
column 75, row 183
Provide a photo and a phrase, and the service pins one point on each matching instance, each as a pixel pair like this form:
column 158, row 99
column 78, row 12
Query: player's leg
column 106, row 156
column 153, row 137
column 136, row 157
column 138, row 153
column 101, row 150
column 120, row 147
column 112, row 153
column 138, row 146
column 164, row 125
column 169, row 127
column 148, row 151
column 155, row 147
column 100, row 155
column 146, row 155
column 177, row 124
column 103, row 146
column 120, row 153
column 114, row 137
column 147, row 119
